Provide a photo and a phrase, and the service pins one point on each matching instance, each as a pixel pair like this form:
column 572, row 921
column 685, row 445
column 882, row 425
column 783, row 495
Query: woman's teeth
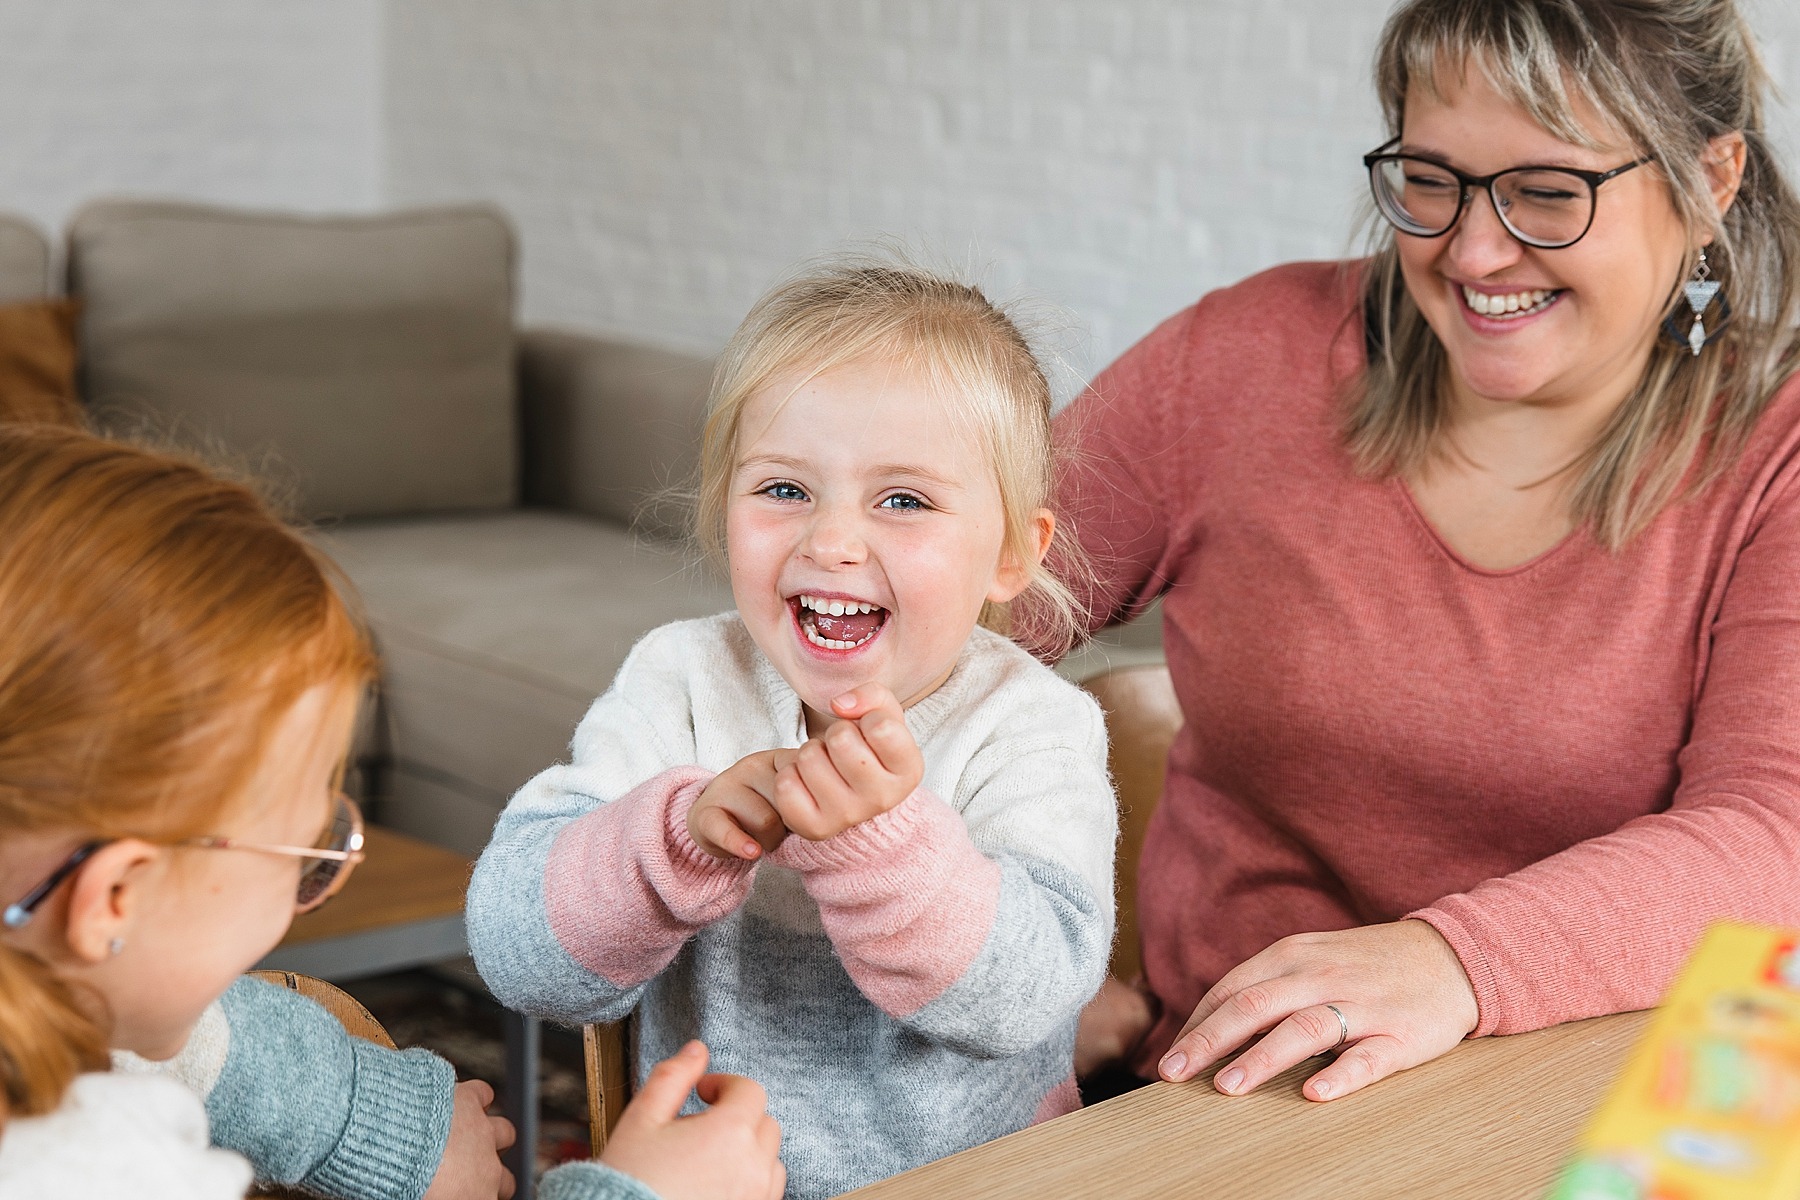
column 1510, row 304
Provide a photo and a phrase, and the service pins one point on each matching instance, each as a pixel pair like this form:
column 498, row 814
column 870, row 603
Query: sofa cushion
column 37, row 362
column 366, row 362
column 24, row 260
column 496, row 632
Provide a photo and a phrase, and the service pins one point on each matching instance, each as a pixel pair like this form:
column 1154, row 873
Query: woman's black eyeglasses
column 1545, row 207
column 340, row 849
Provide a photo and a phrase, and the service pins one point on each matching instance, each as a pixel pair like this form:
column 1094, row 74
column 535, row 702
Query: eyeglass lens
column 316, row 882
column 1540, row 205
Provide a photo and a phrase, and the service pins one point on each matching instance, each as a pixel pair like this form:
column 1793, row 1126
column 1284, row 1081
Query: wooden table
column 402, row 907
column 1493, row 1118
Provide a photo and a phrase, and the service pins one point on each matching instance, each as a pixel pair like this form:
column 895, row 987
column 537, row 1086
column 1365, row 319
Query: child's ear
column 106, row 896
column 1013, row 576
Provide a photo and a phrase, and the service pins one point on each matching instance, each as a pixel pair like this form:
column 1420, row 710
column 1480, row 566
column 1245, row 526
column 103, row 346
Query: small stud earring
column 113, row 947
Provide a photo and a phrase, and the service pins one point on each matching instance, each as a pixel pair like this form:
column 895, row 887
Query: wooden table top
column 1493, row 1118
column 403, row 879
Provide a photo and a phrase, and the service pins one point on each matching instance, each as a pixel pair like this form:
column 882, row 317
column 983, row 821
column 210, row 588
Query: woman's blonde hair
column 1672, row 75
column 159, row 621
column 967, row 348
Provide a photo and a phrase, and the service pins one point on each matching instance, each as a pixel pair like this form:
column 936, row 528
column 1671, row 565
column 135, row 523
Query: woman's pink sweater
column 1568, row 768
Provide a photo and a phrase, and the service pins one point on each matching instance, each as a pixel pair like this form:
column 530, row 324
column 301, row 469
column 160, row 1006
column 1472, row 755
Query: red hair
column 159, row 621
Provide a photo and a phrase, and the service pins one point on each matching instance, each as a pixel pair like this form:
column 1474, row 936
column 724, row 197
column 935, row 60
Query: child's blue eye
column 784, row 491
column 903, row 501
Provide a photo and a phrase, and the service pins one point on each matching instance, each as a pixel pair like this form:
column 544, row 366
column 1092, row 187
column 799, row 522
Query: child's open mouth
column 837, row 624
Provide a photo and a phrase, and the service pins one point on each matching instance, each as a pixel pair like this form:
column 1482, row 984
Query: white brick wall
column 236, row 101
column 665, row 161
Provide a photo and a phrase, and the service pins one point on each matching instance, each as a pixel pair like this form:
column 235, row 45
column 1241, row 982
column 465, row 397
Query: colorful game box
column 1708, row 1107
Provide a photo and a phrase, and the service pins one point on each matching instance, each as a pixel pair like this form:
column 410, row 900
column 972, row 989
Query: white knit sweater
column 115, row 1136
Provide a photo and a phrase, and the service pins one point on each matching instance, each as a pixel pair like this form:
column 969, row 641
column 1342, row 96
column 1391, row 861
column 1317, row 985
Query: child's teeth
column 835, row 608
column 832, row 643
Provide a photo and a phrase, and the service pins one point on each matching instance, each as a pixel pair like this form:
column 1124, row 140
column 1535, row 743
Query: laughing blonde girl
column 858, row 843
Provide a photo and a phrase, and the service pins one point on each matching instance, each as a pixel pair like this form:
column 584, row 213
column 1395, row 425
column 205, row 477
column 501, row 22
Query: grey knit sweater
column 904, row 990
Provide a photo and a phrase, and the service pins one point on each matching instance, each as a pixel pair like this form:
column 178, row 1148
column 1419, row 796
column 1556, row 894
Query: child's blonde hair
column 967, row 348
column 159, row 622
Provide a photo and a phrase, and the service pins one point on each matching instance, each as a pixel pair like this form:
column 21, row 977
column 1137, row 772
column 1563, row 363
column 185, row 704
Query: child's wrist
column 871, row 839
column 684, row 851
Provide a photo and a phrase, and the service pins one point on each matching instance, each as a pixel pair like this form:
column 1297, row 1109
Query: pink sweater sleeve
column 1602, row 926
column 626, row 886
column 906, row 898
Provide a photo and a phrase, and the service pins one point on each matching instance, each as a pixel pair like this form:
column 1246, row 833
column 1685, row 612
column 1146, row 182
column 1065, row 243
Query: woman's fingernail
column 1231, row 1080
column 1322, row 1090
column 1174, row 1065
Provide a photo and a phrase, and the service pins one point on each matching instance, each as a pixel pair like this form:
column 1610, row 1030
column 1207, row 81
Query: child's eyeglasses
column 340, row 850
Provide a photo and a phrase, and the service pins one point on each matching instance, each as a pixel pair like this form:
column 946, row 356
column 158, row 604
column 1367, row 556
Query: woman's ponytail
column 46, row 1037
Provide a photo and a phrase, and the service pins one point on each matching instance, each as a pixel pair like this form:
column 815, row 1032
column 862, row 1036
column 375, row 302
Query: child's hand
column 471, row 1168
column 1113, row 1025
column 861, row 767
column 734, row 816
column 729, row 1152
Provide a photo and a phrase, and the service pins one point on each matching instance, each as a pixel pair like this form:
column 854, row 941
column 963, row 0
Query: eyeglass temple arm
column 355, row 853
column 18, row 914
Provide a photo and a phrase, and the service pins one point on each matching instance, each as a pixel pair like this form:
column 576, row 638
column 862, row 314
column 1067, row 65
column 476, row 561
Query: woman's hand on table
column 1404, row 997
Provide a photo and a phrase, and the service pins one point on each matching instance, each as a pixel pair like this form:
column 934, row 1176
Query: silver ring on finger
column 1343, row 1028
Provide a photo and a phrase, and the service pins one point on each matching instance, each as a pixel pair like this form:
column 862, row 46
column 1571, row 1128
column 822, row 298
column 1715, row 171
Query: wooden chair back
column 334, row 1000
column 606, row 1048
column 1142, row 717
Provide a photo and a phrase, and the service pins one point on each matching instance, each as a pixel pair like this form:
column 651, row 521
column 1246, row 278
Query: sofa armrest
column 24, row 261
column 610, row 428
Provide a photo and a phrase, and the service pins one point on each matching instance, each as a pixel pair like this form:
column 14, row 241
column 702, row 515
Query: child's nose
column 834, row 539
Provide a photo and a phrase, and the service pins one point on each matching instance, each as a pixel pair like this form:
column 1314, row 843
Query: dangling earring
column 113, row 947
column 1700, row 290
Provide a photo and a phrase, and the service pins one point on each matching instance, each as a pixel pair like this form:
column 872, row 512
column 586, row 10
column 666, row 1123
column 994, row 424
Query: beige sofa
column 491, row 491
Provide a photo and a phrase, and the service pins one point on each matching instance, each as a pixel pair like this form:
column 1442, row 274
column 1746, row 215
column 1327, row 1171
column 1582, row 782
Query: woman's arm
column 1602, row 926
column 1114, row 445
column 1597, row 928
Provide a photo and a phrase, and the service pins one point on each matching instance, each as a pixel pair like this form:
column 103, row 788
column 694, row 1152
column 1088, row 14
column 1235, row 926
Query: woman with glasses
column 178, row 677
column 1480, row 561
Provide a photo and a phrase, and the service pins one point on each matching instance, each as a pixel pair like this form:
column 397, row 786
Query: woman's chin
column 1502, row 382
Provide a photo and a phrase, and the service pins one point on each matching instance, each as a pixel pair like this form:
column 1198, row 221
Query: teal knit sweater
column 311, row 1106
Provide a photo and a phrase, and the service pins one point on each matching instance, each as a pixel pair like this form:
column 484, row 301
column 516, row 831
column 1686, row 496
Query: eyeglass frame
column 19, row 913
column 1466, row 182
